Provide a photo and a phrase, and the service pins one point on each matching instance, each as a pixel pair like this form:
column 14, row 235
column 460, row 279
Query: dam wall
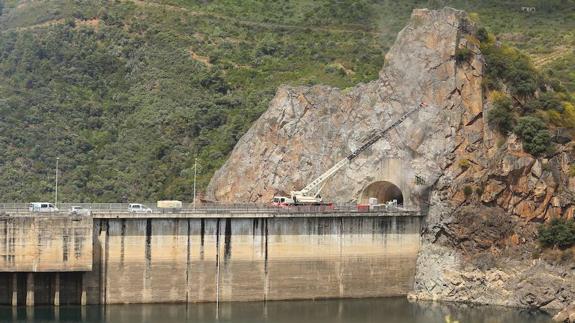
column 159, row 259
column 45, row 243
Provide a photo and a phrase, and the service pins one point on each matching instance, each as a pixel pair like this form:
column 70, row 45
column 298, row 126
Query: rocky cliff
column 481, row 193
column 307, row 129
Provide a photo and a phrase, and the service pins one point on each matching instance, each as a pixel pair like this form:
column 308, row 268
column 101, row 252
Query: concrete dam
column 116, row 258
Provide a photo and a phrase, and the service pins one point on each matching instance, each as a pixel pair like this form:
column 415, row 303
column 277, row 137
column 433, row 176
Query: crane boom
column 307, row 194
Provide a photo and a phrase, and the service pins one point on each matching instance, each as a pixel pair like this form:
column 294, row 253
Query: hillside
column 129, row 93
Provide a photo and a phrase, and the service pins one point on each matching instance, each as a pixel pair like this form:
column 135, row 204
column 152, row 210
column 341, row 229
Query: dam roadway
column 213, row 255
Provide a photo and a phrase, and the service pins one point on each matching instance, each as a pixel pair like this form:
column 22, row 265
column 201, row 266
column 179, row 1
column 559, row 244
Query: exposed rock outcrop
column 481, row 193
column 566, row 315
column 307, row 129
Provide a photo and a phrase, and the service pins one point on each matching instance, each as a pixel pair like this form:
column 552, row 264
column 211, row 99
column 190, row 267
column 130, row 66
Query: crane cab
column 282, row 201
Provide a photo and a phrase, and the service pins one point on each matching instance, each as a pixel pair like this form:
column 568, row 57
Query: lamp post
column 195, row 173
column 56, row 190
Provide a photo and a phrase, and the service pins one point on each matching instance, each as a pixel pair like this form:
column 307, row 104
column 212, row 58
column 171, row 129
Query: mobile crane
column 310, row 195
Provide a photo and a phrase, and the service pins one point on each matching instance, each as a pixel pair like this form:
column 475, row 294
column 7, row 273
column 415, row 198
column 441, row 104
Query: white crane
column 310, row 195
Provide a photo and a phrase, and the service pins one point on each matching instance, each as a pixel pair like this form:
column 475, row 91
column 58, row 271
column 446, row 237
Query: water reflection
column 386, row 310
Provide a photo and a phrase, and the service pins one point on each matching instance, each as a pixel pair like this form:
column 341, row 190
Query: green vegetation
column 128, row 94
column 128, row 105
column 557, row 233
column 501, row 114
column 533, row 132
column 509, row 66
column 533, row 102
column 464, row 164
column 467, row 190
column 546, row 101
column 463, row 55
column 479, row 191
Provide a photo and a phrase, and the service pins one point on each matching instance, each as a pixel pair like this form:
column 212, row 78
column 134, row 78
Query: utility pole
column 195, row 174
column 56, row 191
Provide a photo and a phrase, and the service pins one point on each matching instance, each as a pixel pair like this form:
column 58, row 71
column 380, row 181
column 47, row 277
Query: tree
column 482, row 34
column 557, row 233
column 533, row 132
column 501, row 115
column 547, row 101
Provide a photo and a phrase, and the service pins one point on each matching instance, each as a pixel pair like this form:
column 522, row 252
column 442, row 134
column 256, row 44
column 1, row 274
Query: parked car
column 42, row 207
column 138, row 208
column 78, row 210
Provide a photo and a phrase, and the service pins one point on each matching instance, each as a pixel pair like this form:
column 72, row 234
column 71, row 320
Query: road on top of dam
column 120, row 210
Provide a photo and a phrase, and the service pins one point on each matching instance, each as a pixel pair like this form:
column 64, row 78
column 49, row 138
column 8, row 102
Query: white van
column 42, row 207
column 138, row 208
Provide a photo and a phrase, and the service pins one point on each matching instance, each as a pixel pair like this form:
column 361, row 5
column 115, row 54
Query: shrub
column 512, row 67
column 571, row 171
column 501, row 115
column 532, row 131
column 479, row 191
column 464, row 164
column 557, row 233
column 463, row 55
column 467, row 190
column 335, row 69
column 71, row 22
column 547, row 101
column 482, row 34
column 568, row 115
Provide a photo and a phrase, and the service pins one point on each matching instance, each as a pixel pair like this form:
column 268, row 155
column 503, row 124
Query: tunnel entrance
column 383, row 191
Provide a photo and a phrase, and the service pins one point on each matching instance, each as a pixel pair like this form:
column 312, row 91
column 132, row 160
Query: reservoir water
column 381, row 310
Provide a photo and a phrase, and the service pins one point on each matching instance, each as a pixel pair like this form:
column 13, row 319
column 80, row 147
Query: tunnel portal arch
column 384, row 191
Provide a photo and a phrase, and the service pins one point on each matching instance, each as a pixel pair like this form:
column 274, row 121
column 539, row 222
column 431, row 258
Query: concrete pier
column 29, row 289
column 210, row 258
column 56, row 289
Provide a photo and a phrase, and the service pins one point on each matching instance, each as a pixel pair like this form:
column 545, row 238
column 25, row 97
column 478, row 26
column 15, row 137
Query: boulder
column 492, row 191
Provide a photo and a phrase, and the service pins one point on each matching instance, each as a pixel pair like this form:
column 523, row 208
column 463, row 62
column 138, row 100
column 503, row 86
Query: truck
column 169, row 206
column 310, row 194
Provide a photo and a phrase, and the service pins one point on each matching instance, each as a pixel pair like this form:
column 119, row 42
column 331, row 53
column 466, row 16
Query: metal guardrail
column 208, row 209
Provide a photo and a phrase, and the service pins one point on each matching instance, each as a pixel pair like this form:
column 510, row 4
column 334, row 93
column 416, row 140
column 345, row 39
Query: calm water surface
column 381, row 310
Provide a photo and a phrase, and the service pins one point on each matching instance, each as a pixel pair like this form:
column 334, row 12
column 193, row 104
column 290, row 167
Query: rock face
column 480, row 198
column 566, row 315
column 307, row 130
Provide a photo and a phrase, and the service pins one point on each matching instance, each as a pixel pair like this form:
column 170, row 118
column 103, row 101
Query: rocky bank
column 482, row 194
